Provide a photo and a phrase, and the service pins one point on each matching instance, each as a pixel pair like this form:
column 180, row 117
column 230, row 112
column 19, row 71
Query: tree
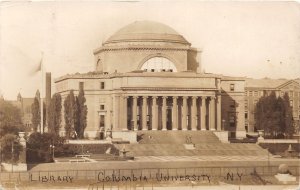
column 265, row 114
column 10, row 125
column 54, row 114
column 70, row 115
column 289, row 128
column 36, row 114
column 10, row 148
column 274, row 115
column 75, row 114
column 82, row 113
column 76, row 117
column 10, row 119
column 39, row 149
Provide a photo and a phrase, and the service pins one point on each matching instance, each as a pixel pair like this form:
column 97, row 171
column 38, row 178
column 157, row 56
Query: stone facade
column 256, row 88
column 148, row 77
column 24, row 105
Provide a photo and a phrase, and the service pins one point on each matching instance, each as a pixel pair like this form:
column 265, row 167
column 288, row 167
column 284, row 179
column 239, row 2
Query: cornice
column 168, row 89
column 141, row 48
column 142, row 74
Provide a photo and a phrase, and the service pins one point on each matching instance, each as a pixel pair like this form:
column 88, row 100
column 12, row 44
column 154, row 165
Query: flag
column 37, row 68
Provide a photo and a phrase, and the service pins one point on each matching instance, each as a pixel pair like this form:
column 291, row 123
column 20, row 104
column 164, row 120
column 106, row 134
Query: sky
column 245, row 39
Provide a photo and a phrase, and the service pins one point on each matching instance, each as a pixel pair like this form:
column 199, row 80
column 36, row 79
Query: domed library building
column 149, row 77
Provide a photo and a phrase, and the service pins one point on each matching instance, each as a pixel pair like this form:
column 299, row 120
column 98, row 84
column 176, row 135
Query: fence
column 146, row 174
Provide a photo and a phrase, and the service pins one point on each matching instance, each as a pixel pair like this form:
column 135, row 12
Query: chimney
column 48, row 89
column 47, row 98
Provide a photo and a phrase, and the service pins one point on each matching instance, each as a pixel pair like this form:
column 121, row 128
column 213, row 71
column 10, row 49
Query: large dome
column 146, row 31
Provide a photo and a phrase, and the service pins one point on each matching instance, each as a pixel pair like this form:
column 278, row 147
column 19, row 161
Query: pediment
column 289, row 85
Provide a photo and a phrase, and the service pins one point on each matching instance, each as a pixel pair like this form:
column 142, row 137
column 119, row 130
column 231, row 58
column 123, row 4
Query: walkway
column 202, row 158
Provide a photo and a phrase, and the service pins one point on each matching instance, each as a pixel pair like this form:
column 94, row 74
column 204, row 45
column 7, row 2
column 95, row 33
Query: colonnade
column 169, row 112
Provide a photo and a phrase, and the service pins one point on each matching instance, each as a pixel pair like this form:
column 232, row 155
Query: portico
column 167, row 112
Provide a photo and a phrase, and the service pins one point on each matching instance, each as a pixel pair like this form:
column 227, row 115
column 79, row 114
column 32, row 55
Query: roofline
column 273, row 88
column 141, row 74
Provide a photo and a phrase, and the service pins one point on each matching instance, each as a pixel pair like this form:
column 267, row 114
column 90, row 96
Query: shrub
column 38, row 147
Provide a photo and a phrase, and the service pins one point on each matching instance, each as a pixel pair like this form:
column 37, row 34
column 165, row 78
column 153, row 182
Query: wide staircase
column 187, row 143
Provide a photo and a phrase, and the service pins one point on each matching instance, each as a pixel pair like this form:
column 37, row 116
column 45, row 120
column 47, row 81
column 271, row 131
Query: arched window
column 159, row 64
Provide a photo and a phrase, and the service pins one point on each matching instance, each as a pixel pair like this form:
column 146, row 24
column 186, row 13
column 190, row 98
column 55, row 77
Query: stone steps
column 176, row 137
column 172, row 143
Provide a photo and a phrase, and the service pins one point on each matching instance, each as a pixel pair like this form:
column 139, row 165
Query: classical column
column 184, row 112
column 116, row 106
column 121, row 114
column 164, row 113
column 108, row 114
column 125, row 114
column 219, row 120
column 175, row 113
column 144, row 114
column 134, row 108
column 212, row 113
column 203, row 112
column 154, row 113
column 193, row 113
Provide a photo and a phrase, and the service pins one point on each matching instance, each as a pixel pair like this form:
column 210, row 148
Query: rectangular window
column 232, row 119
column 246, row 93
column 250, row 93
column 102, row 121
column 102, row 107
column 81, row 85
column 231, row 87
column 148, row 120
column 291, row 94
column 152, row 70
column 255, row 93
column 291, row 103
column 138, row 121
column 265, row 93
column 246, row 115
column 102, row 85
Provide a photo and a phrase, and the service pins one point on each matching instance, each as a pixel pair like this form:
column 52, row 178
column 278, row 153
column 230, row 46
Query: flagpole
column 42, row 95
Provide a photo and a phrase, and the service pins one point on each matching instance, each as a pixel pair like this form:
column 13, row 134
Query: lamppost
column 12, row 154
column 52, row 147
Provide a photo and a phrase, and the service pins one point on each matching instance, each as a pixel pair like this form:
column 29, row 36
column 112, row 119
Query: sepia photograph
column 149, row 95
